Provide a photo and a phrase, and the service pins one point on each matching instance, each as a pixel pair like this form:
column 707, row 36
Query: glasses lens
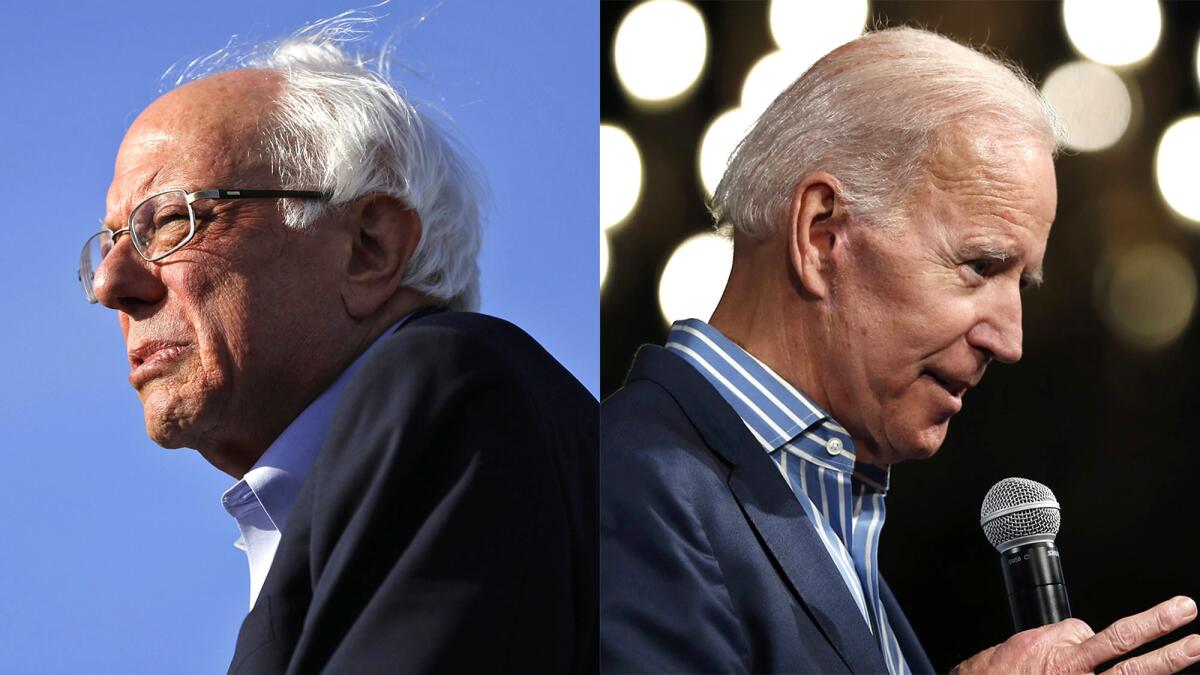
column 161, row 224
column 94, row 251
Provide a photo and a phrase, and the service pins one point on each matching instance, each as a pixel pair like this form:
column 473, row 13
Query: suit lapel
column 776, row 516
column 771, row 508
column 256, row 633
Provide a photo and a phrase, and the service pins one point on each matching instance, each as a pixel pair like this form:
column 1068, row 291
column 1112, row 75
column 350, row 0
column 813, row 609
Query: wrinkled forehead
column 1008, row 175
column 208, row 133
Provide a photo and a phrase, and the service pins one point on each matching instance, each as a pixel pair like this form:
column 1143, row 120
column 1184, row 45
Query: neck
column 255, row 426
column 235, row 445
column 780, row 339
column 771, row 317
column 403, row 303
column 231, row 458
column 780, row 324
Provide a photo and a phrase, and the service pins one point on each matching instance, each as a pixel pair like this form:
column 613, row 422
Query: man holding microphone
column 887, row 210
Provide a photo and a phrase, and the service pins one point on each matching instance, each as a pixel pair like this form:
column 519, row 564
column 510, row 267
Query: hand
column 1071, row 647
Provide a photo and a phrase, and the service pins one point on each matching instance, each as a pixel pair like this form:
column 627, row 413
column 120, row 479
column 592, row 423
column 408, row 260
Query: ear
column 383, row 233
column 816, row 221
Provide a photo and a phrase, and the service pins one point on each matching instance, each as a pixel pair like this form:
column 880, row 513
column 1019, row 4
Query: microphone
column 1020, row 517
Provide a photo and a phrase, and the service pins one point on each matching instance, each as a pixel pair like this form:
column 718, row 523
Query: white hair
column 341, row 127
column 869, row 113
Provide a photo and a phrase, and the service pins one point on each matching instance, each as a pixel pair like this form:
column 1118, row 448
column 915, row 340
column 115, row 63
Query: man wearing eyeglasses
column 289, row 249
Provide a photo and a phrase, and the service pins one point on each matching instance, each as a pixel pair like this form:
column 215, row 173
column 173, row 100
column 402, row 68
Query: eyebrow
column 987, row 250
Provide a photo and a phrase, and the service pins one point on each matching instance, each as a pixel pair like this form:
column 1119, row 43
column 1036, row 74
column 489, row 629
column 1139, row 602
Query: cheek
column 212, row 300
column 904, row 341
column 933, row 324
column 226, row 327
column 924, row 313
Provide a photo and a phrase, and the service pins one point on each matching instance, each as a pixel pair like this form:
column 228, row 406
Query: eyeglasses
column 163, row 224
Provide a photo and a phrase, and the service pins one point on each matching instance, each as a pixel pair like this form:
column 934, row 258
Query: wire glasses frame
column 156, row 226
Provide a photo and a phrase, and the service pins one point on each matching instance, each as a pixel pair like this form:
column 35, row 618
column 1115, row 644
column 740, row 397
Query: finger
column 1170, row 659
column 1133, row 631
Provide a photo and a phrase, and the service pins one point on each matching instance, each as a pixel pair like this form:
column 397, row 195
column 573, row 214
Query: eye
column 171, row 227
column 167, row 216
column 979, row 267
column 165, row 228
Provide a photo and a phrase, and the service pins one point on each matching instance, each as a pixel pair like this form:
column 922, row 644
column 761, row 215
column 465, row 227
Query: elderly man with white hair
column 886, row 212
column 291, row 250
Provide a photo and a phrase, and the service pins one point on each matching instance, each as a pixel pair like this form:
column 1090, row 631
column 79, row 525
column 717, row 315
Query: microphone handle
column 1037, row 593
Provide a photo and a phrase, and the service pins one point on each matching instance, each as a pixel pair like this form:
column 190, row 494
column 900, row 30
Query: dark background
column 1107, row 427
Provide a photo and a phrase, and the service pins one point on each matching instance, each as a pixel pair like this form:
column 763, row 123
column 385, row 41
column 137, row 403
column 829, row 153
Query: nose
column 126, row 282
column 998, row 331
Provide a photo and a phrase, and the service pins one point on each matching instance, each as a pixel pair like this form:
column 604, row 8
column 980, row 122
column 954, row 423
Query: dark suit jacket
column 708, row 562
column 448, row 523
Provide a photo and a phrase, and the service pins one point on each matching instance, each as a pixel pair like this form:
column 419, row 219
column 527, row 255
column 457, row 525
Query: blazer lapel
column 771, row 508
column 807, row 566
column 256, row 633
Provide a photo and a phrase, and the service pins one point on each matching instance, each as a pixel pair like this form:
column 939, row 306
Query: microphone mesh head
column 1039, row 521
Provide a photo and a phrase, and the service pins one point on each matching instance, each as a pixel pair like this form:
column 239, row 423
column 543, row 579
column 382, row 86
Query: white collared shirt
column 263, row 499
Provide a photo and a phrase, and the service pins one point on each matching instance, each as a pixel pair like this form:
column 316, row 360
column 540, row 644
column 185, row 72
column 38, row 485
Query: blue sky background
column 117, row 555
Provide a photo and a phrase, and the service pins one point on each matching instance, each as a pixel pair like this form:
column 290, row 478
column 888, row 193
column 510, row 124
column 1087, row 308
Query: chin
column 164, row 435
column 920, row 443
column 920, row 452
column 168, row 422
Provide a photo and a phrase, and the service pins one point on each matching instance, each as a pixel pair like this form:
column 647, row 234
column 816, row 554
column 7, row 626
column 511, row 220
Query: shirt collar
column 778, row 414
column 276, row 477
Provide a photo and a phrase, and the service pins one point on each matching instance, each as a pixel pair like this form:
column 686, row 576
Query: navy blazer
column 708, row 562
column 448, row 523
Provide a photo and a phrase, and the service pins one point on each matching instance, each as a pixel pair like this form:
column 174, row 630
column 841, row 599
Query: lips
column 151, row 359
column 952, row 386
column 955, row 386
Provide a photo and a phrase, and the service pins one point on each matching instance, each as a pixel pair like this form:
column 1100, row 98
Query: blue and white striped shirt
column 816, row 456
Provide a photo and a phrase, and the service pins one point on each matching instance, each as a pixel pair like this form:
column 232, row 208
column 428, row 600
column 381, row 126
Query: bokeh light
column 718, row 142
column 660, row 49
column 620, row 175
column 767, row 79
column 1147, row 296
column 1177, row 167
column 603, row 258
column 810, row 29
column 1113, row 32
column 1091, row 101
column 694, row 277
column 1114, row 329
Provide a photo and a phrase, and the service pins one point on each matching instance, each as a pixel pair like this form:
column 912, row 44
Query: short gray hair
column 340, row 126
column 869, row 113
